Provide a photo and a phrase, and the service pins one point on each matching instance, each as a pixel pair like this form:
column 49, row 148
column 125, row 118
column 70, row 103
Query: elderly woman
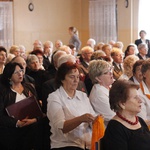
column 128, row 66
column 15, row 50
column 100, row 72
column 144, row 91
column 15, row 134
column 126, row 131
column 39, row 76
column 39, row 55
column 137, row 74
column 69, row 111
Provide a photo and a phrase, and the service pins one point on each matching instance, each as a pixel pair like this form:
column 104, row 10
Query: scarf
column 98, row 130
column 142, row 88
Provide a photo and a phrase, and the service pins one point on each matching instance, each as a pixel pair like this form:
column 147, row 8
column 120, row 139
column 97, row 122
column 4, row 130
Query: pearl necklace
column 128, row 121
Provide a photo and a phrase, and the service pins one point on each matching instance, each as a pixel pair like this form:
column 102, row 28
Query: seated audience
column 117, row 56
column 137, row 74
column 69, row 111
column 143, row 49
column 101, row 74
column 128, row 66
column 126, row 131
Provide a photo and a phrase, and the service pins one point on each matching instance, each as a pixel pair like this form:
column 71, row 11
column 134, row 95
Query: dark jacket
column 8, row 97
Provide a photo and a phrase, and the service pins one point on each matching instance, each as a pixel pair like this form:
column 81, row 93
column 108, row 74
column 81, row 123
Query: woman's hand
column 87, row 118
column 26, row 122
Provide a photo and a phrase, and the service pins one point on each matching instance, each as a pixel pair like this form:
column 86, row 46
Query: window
column 102, row 20
column 6, row 24
column 144, row 12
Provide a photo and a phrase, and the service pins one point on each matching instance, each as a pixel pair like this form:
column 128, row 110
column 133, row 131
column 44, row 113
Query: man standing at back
column 143, row 39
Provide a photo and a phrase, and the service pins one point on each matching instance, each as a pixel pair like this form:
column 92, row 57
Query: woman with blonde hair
column 128, row 66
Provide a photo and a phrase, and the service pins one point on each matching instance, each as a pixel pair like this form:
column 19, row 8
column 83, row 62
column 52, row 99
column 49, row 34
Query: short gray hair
column 65, row 58
column 30, row 59
column 96, row 68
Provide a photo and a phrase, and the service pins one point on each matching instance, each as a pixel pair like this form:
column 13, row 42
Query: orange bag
column 98, row 130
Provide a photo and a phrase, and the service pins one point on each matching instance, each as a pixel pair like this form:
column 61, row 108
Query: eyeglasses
column 111, row 69
column 19, row 71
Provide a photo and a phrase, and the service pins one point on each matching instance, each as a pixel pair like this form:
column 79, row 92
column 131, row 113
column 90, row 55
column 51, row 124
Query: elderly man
column 117, row 56
column 48, row 49
column 91, row 43
column 86, row 53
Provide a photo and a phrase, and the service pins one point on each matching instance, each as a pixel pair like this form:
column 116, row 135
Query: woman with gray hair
column 143, row 50
column 100, row 72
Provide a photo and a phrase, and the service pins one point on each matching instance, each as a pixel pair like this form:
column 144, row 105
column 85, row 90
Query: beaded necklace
column 128, row 121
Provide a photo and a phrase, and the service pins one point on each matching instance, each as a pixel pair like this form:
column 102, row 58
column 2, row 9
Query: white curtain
column 6, row 24
column 102, row 20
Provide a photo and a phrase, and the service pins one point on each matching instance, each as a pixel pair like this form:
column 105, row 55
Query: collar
column 104, row 89
column 145, row 89
column 64, row 93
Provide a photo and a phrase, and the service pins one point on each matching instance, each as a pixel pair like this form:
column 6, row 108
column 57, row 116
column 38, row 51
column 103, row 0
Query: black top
column 119, row 137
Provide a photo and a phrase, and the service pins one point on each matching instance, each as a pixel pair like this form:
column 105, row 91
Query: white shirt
column 135, row 80
column 19, row 97
column 60, row 108
column 99, row 98
column 145, row 109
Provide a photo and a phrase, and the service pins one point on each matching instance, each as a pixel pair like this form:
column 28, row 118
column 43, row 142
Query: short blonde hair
column 129, row 61
column 65, row 58
column 115, row 51
column 96, row 68
column 86, row 48
column 14, row 48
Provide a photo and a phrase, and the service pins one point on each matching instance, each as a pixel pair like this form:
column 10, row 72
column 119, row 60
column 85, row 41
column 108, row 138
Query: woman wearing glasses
column 15, row 134
column 101, row 74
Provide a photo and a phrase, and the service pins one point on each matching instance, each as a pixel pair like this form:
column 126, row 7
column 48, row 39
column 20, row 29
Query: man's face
column 118, row 57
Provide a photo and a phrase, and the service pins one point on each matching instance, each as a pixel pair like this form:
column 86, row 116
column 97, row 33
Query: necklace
column 128, row 121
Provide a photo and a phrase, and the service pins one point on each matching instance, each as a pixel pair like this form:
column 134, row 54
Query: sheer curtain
column 6, row 24
column 102, row 20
